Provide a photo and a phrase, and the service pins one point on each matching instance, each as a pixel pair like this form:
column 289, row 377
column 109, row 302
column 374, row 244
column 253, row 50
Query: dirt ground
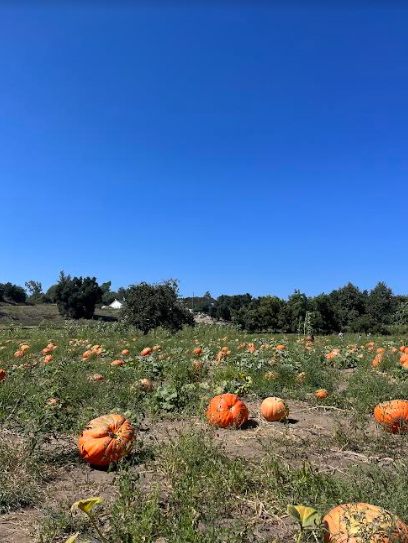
column 302, row 438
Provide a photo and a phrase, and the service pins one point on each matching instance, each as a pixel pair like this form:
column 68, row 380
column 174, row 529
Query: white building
column 116, row 304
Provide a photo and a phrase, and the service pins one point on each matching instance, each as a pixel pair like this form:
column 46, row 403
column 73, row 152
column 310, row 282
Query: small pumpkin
column 274, row 409
column 48, row 359
column 87, row 354
column 146, row 351
column 125, row 352
column 3, row 374
column 53, row 401
column 146, row 384
column 96, row 377
column 117, row 363
column 19, row 354
column 363, row 523
column 393, row 416
column 227, row 410
column 321, row 394
column 106, row 439
column 197, row 366
column 280, row 347
column 197, row 351
column 45, row 351
column 24, row 347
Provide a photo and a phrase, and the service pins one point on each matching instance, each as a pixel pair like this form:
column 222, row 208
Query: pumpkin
column 87, row 354
column 106, row 439
column 252, row 349
column 402, row 348
column 394, row 350
column 225, row 349
column 280, row 347
column 146, row 384
column 24, row 347
column 197, row 366
column 363, row 523
column 53, row 401
column 19, row 354
column 146, row 351
column 274, row 409
column 377, row 360
column 404, row 361
column 48, row 359
column 393, row 416
column 300, row 377
column 197, row 351
column 321, row 394
column 95, row 377
column 117, row 363
column 125, row 352
column 227, row 410
column 380, row 350
column 271, row 375
column 47, row 350
column 330, row 356
column 3, row 374
column 406, row 350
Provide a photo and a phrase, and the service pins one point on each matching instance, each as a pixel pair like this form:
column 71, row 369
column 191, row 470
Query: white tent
column 116, row 304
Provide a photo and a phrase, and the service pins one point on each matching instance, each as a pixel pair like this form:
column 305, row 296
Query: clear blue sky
column 239, row 149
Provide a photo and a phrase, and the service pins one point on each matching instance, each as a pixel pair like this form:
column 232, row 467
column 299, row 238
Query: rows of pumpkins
column 109, row 438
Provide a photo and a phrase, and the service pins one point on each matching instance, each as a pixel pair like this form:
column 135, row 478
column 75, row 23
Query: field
column 186, row 481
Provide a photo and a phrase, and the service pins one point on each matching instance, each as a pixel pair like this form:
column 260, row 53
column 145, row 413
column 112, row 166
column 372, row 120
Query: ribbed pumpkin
column 393, row 416
column 321, row 394
column 363, row 523
column 227, row 410
column 106, row 439
column 274, row 409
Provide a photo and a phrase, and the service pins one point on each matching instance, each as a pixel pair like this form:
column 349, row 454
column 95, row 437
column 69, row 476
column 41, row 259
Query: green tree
column 381, row 304
column 149, row 306
column 14, row 293
column 51, row 293
column 77, row 297
column 349, row 303
column 261, row 315
column 226, row 305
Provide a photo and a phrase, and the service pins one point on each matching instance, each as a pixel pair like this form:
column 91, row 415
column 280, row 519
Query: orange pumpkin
column 402, row 348
column 146, row 384
column 377, row 360
column 380, row 350
column 87, row 354
column 24, row 347
column 393, row 416
column 197, row 351
column 197, row 366
column 404, row 361
column 227, row 410
column 406, row 350
column 106, row 439
column 19, row 354
column 117, row 363
column 274, row 409
column 3, row 374
column 47, row 350
column 321, row 394
column 95, row 377
column 48, row 359
column 146, row 351
column 330, row 356
column 125, row 352
column 280, row 347
column 363, row 523
column 225, row 349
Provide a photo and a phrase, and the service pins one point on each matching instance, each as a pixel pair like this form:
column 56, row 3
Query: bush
column 14, row 293
column 77, row 297
column 149, row 306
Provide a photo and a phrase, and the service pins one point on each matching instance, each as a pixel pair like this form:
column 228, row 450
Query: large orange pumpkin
column 363, row 523
column 227, row 410
column 274, row 409
column 106, row 439
column 393, row 416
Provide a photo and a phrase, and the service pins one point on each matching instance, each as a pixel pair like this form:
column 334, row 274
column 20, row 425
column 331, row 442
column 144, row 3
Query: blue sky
column 256, row 148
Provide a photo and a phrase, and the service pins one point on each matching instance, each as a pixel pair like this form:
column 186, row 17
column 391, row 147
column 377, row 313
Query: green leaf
column 73, row 538
column 307, row 517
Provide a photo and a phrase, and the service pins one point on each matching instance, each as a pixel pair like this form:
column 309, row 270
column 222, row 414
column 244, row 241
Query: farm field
column 184, row 479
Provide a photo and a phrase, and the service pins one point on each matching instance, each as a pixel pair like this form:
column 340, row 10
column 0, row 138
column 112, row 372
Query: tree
column 261, row 315
column 51, row 293
column 36, row 294
column 77, row 297
column 381, row 304
column 225, row 305
column 297, row 307
column 149, row 306
column 349, row 303
column 14, row 293
column 324, row 316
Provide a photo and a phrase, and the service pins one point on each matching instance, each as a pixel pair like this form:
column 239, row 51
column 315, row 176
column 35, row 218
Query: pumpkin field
column 203, row 436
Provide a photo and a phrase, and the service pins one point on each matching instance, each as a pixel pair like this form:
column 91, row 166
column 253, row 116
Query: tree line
column 346, row 309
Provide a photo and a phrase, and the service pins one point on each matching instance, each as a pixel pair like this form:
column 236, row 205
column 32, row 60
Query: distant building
column 116, row 304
